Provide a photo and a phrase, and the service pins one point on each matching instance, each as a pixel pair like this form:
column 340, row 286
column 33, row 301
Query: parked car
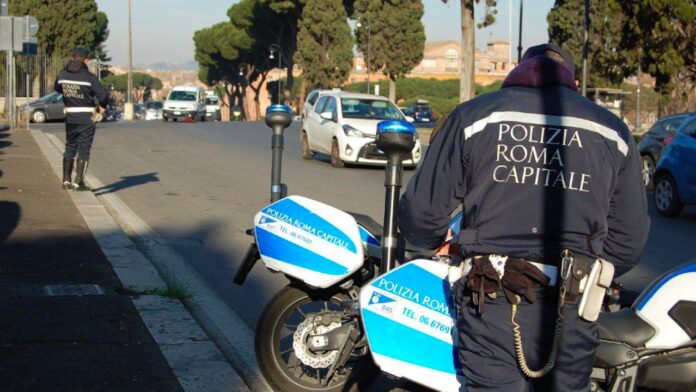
column 675, row 175
column 49, row 107
column 421, row 111
column 185, row 102
column 212, row 107
column 344, row 125
column 152, row 110
column 138, row 111
column 654, row 141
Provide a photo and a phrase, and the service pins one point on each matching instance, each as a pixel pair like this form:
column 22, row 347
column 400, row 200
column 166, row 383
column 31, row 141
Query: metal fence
column 34, row 75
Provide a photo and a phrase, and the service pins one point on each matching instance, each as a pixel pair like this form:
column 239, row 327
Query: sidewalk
column 65, row 324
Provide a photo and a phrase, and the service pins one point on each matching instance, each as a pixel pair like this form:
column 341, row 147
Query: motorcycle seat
column 368, row 224
column 624, row 326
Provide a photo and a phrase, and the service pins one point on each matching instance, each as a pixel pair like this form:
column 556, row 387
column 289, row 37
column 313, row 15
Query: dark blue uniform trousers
column 78, row 140
column 487, row 351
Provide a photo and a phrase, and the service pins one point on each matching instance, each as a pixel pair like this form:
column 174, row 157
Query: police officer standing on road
column 546, row 179
column 85, row 99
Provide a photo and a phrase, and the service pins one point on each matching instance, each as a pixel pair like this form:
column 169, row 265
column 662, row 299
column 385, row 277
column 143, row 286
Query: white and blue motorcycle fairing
column 409, row 320
column 309, row 240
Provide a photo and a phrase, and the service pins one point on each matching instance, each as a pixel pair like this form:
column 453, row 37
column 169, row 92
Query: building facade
column 442, row 60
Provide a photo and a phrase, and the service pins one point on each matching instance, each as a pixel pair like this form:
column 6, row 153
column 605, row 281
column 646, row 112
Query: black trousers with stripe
column 487, row 351
column 78, row 140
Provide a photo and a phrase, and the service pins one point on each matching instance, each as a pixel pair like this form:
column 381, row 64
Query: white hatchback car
column 344, row 126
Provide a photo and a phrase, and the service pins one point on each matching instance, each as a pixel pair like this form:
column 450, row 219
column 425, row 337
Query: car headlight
column 352, row 132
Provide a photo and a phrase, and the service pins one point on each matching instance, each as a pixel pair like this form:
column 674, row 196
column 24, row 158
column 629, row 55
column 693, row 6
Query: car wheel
column 666, row 196
column 164, row 119
column 648, row 171
column 304, row 146
column 335, row 155
column 38, row 116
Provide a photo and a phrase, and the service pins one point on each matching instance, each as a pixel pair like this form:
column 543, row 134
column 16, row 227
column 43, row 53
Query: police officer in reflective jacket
column 83, row 97
column 538, row 170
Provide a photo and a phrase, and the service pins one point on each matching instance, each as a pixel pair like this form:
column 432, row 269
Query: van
column 212, row 106
column 185, row 102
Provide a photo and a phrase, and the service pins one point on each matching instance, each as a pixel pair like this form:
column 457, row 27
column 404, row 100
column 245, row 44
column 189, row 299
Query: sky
column 163, row 29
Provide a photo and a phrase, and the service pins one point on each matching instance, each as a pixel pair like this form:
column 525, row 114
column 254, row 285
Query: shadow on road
column 127, row 182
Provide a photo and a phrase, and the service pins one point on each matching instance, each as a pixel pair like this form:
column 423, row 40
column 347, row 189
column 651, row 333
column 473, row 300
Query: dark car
column 654, row 141
column 675, row 177
column 421, row 112
column 49, row 107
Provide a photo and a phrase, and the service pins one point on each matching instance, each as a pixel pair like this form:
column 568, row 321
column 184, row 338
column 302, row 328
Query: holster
column 585, row 282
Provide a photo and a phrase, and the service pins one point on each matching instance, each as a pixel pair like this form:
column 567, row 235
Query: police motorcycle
column 347, row 308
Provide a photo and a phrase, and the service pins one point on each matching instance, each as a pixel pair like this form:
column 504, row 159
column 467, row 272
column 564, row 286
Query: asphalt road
column 199, row 186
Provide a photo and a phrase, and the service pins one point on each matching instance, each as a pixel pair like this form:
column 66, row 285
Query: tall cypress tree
column 396, row 38
column 324, row 44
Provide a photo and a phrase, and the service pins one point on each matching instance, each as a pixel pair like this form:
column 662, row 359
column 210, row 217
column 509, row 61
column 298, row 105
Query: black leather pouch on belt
column 579, row 269
column 519, row 280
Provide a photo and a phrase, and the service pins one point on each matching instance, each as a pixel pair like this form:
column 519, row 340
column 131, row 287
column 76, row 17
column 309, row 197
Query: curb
column 196, row 361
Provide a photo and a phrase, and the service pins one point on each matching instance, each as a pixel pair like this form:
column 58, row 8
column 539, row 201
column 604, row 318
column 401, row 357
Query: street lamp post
column 586, row 35
column 519, row 44
column 128, row 108
column 275, row 48
column 369, row 41
column 243, row 67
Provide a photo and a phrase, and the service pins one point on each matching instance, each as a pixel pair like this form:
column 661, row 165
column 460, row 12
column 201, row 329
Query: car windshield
column 377, row 109
column 421, row 108
column 49, row 97
column 211, row 101
column 182, row 96
column 153, row 105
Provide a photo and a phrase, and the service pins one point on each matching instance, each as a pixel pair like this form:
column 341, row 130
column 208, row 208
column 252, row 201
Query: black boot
column 81, row 170
column 67, row 173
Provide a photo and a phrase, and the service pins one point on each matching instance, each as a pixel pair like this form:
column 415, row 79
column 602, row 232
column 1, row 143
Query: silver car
column 49, row 107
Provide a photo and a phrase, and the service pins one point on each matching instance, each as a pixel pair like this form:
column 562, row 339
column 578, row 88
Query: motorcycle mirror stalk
column 278, row 117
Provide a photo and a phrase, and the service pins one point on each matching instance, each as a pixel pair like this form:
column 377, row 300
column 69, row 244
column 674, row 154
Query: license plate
column 177, row 113
column 426, row 120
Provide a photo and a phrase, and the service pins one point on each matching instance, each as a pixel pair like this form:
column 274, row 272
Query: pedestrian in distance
column 548, row 182
column 84, row 99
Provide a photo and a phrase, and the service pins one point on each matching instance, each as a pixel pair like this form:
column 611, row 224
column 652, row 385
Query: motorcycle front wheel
column 276, row 332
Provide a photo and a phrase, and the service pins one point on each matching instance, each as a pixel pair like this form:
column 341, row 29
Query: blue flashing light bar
column 278, row 108
column 399, row 126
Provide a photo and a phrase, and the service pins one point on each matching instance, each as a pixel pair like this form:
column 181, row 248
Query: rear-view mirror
column 410, row 119
column 327, row 116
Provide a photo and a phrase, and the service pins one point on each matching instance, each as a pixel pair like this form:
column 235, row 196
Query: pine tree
column 66, row 24
column 607, row 66
column 397, row 36
column 324, row 44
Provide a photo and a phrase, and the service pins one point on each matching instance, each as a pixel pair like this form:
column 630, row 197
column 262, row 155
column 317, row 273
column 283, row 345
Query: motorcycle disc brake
column 316, row 360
